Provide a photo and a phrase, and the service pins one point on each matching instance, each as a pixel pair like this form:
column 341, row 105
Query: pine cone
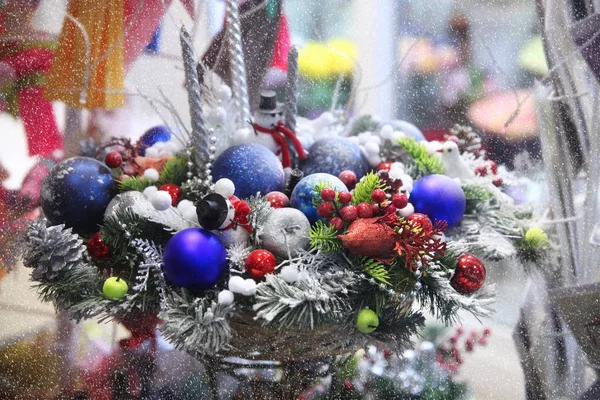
column 467, row 139
column 50, row 250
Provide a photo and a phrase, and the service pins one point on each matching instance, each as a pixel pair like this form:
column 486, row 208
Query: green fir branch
column 365, row 187
column 376, row 269
column 476, row 192
column 135, row 183
column 426, row 163
column 324, row 237
column 174, row 171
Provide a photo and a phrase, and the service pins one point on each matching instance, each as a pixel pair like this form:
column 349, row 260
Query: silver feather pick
column 199, row 137
column 239, row 85
column 291, row 89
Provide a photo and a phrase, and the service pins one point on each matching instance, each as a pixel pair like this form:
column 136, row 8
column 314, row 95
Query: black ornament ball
column 76, row 193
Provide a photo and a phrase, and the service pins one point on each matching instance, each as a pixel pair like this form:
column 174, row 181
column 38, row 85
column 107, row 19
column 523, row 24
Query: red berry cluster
column 450, row 357
column 490, row 167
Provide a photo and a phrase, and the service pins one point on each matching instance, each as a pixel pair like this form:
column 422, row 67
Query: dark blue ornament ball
column 439, row 197
column 152, row 136
column 251, row 167
column 334, row 155
column 194, row 259
column 303, row 195
column 76, row 193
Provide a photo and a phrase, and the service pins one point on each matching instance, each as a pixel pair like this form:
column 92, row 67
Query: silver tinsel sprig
column 237, row 255
column 260, row 210
column 150, row 268
column 239, row 84
column 50, row 250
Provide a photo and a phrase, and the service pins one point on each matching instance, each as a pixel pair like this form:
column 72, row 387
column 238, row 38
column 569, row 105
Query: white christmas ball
column 364, row 137
column 161, row 200
column 372, row 147
column 152, row 152
column 225, row 187
column 149, row 191
column 407, row 180
column 151, row 174
column 386, row 132
column 289, row 274
column 407, row 211
column 190, row 214
column 223, row 93
column 375, row 139
column 225, row 297
column 249, row 287
column 236, row 284
column 374, row 160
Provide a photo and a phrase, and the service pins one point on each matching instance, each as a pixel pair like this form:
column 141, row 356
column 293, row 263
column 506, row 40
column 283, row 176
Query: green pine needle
column 365, row 187
column 376, row 269
column 425, row 162
column 324, row 237
column 135, row 183
column 476, row 192
column 174, row 171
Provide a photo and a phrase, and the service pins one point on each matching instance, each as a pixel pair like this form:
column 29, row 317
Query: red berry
column 364, row 210
column 349, row 213
column 497, row 181
column 122, row 177
column 345, row 197
column 422, row 220
column 348, row 385
column 493, row 167
column 482, row 341
column 375, row 209
column 277, row 199
column 337, row 223
column 391, row 209
column 387, row 353
column 260, row 263
column 487, row 332
column 460, row 331
column 97, row 248
column 328, row 194
column 453, row 339
column 481, row 170
column 469, row 344
column 325, row 210
column 385, row 166
column 399, row 200
column 378, row 196
column 114, row 159
column 173, row 190
column 348, row 178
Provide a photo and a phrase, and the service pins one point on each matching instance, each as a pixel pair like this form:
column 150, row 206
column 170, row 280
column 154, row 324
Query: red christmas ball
column 378, row 196
column 349, row 213
column 260, row 263
column 348, row 178
column 422, row 220
column 364, row 210
column 469, row 274
column 97, row 248
column 278, row 199
column 337, row 223
column 113, row 159
column 385, row 166
column 173, row 190
column 400, row 200
column 325, row 210
column 345, row 197
column 328, row 194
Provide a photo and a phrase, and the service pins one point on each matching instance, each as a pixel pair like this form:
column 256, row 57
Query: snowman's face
column 268, row 121
column 230, row 215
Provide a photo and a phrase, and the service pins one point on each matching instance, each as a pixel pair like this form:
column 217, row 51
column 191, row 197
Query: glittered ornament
column 131, row 199
column 277, row 199
column 115, row 288
column 195, row 259
column 367, row 321
column 97, row 248
column 152, row 136
column 251, row 167
column 113, row 159
column 285, row 232
column 439, row 197
column 335, row 155
column 469, row 274
column 76, row 192
column 260, row 263
column 303, row 195
column 173, row 190
column 369, row 237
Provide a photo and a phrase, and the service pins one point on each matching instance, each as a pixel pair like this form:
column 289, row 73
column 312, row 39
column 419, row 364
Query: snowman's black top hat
column 212, row 211
column 268, row 103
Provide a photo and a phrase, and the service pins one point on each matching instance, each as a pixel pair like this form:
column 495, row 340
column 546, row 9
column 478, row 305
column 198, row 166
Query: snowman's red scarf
column 279, row 135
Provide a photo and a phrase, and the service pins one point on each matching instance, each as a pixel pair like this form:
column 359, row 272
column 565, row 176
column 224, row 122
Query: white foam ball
column 374, row 160
column 225, row 297
column 236, row 284
column 216, row 116
column 151, row 174
column 164, row 153
column 249, row 287
column 397, row 135
column 354, row 139
column 363, row 137
column 152, row 152
column 372, row 147
column 184, row 204
column 386, row 132
column 289, row 274
column 375, row 139
column 407, row 179
column 190, row 214
column 241, row 135
column 161, row 200
column 407, row 211
column 149, row 191
column 396, row 173
column 223, row 93
column 225, row 187
column 406, row 187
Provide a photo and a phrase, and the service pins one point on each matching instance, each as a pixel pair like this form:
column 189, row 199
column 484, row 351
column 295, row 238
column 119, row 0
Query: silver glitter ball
column 125, row 200
column 285, row 228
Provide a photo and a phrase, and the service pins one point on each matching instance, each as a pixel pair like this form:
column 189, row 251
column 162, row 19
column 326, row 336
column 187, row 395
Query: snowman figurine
column 270, row 130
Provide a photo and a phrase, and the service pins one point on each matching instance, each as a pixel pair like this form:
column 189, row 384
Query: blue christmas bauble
column 439, row 197
column 152, row 136
column 408, row 128
column 76, row 193
column 303, row 195
column 334, row 155
column 251, row 167
column 195, row 259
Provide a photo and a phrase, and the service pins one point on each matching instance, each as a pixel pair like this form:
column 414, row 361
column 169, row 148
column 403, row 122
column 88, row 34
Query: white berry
column 372, row 147
column 396, row 173
column 161, row 200
column 225, row 297
column 224, row 93
column 190, row 214
column 225, row 187
column 407, row 211
column 249, row 287
column 152, row 152
column 151, row 174
column 184, row 204
column 386, row 132
column 236, row 284
column 289, row 274
column 149, row 191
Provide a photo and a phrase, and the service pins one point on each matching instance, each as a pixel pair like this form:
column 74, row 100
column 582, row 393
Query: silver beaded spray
column 291, row 89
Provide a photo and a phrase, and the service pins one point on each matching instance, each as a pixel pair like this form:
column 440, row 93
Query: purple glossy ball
column 194, row 259
column 440, row 198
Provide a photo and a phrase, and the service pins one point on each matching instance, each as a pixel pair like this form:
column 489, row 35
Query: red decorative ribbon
column 242, row 210
column 279, row 135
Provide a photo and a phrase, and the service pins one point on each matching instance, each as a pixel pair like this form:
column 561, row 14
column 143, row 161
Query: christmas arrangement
column 279, row 238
